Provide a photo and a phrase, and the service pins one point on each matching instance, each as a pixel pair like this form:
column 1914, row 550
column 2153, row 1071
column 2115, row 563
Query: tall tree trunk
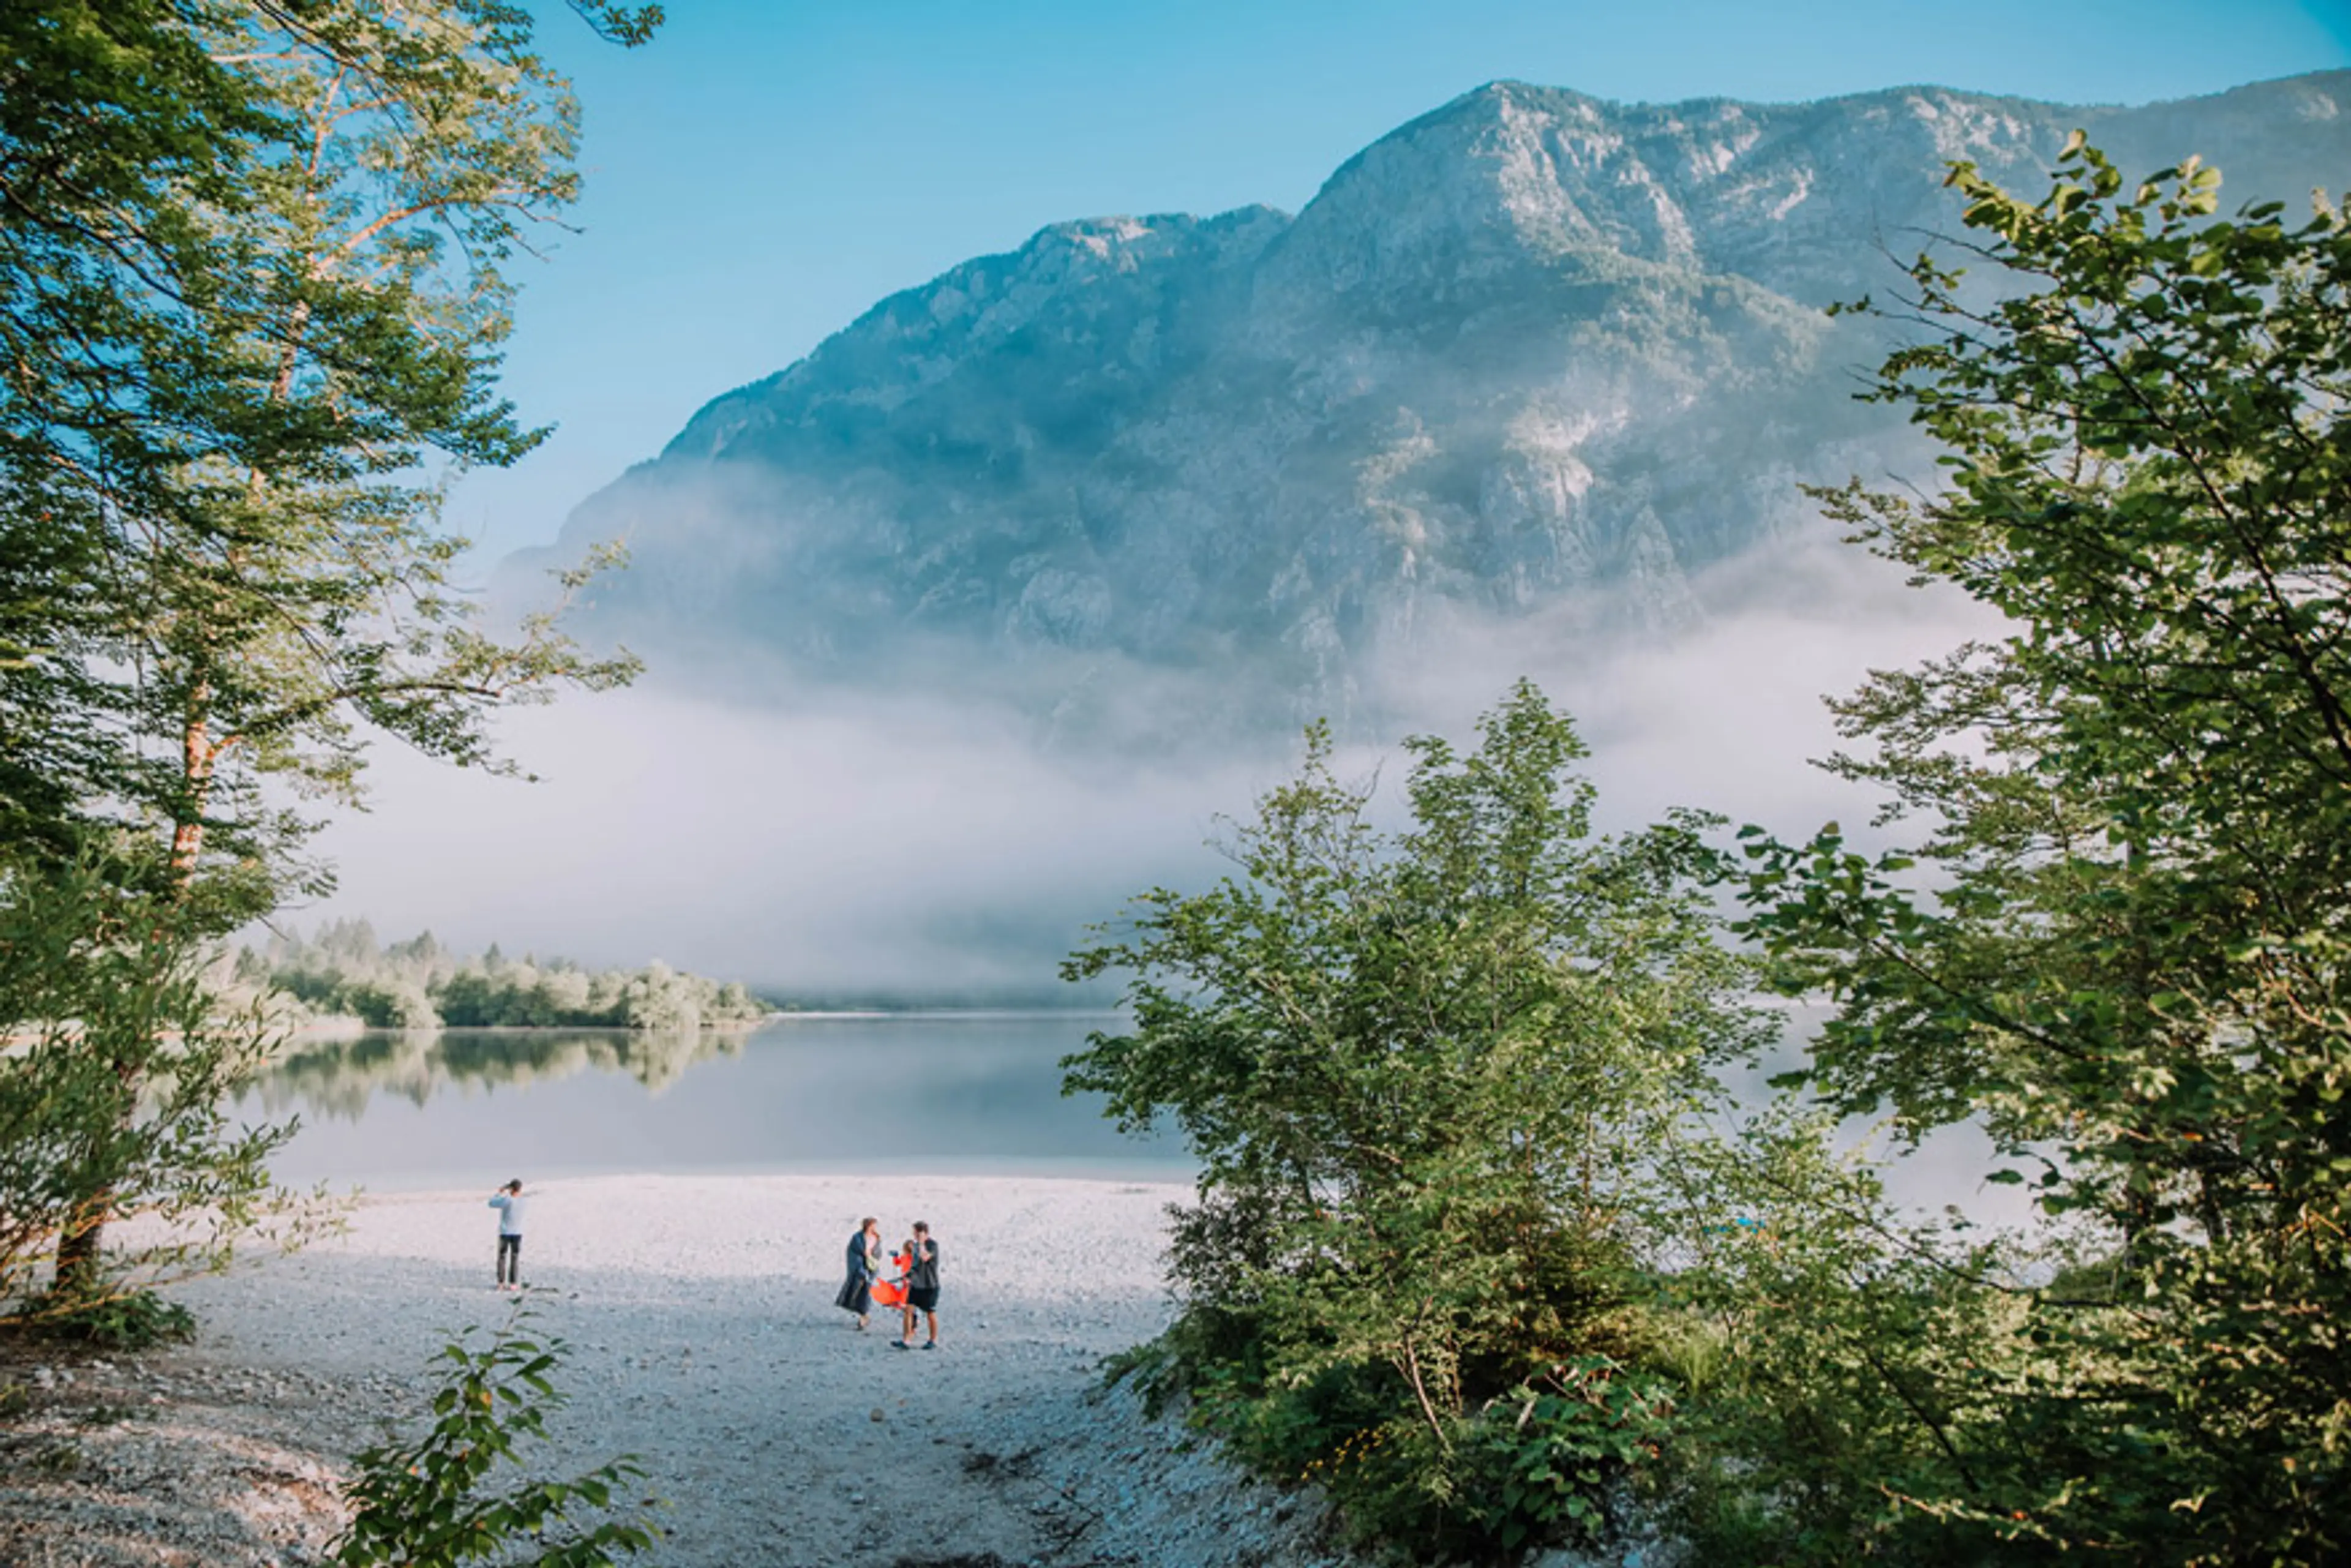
column 82, row 1237
column 199, row 754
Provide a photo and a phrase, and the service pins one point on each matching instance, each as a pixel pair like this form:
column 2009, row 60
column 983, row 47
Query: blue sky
column 766, row 169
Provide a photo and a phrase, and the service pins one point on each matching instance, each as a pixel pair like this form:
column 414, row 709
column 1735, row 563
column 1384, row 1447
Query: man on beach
column 922, row 1287
column 508, row 1201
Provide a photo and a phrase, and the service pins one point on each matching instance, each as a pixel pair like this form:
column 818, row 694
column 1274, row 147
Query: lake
column 922, row 1093
column 926, row 1093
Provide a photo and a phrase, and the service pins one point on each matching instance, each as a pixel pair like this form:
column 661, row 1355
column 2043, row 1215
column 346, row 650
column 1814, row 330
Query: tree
column 250, row 280
column 115, row 125
column 251, row 296
column 1433, row 1079
column 2128, row 958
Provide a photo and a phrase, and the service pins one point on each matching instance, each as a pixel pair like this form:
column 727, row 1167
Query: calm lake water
column 922, row 1093
column 939, row 1092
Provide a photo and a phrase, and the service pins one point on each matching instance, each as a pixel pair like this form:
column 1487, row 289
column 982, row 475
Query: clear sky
column 766, row 169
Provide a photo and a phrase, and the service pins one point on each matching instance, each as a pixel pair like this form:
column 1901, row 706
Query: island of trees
column 342, row 972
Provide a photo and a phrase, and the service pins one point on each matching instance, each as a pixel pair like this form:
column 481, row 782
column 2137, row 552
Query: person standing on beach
column 864, row 1262
column 509, row 1203
column 922, row 1289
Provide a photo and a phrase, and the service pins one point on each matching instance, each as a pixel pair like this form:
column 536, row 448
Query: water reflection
column 918, row 1093
column 340, row 1077
column 936, row 1092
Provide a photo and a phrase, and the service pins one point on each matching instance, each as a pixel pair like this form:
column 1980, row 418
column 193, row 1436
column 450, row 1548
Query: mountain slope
column 1532, row 352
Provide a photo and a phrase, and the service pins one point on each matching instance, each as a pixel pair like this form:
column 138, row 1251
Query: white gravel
column 704, row 1341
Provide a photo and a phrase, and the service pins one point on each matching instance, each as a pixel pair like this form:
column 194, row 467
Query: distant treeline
column 342, row 972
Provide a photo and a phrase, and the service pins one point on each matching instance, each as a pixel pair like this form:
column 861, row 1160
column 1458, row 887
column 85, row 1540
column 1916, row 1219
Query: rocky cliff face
column 1530, row 350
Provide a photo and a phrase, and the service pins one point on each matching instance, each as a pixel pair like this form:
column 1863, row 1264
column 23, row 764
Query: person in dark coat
column 865, row 1263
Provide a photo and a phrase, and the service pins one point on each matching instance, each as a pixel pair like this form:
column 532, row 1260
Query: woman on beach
column 864, row 1262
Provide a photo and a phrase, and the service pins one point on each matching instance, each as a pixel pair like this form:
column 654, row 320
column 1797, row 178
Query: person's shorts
column 924, row 1301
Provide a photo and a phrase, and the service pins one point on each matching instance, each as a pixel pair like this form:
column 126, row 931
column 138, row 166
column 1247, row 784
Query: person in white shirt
column 508, row 1201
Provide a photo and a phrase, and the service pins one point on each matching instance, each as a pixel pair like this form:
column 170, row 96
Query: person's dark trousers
column 509, row 1259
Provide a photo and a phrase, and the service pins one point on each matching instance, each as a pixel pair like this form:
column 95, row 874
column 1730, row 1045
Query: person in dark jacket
column 865, row 1263
column 922, row 1289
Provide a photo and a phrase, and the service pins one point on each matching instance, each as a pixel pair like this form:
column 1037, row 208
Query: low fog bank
column 835, row 846
column 1726, row 715
column 833, row 853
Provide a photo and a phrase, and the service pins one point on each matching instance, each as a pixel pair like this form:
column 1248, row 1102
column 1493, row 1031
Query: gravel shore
column 705, row 1342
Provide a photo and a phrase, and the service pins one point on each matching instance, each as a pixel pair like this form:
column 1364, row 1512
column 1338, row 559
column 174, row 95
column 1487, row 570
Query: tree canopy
column 253, row 288
column 2127, row 953
column 1437, row 1081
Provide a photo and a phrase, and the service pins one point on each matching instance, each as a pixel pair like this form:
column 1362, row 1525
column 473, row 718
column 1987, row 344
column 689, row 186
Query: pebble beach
column 702, row 1339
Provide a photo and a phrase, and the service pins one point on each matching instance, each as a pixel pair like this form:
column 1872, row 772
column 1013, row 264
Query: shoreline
column 1077, row 1169
column 335, row 1027
column 702, row 1339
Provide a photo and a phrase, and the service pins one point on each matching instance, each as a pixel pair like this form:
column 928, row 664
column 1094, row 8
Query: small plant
column 1152, row 1369
column 58, row 1459
column 422, row 1504
column 1549, row 1452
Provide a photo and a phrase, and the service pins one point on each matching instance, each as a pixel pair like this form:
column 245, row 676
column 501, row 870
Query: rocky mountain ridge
column 1530, row 354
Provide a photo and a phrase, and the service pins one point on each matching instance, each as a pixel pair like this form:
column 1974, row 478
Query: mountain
column 1532, row 354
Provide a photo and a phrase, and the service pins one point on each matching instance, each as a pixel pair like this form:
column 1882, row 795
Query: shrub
column 134, row 1319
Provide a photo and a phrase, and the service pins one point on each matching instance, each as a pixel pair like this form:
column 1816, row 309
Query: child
column 508, row 1201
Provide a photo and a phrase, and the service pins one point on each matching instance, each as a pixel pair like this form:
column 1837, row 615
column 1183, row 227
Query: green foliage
column 424, row 1504
column 2130, row 965
column 418, row 984
column 1541, row 1454
column 1428, row 1076
column 134, row 1319
column 1851, row 1367
column 113, row 1101
column 251, row 289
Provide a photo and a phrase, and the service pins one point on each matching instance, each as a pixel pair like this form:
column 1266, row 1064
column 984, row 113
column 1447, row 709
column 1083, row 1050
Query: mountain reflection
column 337, row 1078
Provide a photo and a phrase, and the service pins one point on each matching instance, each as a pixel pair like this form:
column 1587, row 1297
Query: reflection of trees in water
column 337, row 1078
